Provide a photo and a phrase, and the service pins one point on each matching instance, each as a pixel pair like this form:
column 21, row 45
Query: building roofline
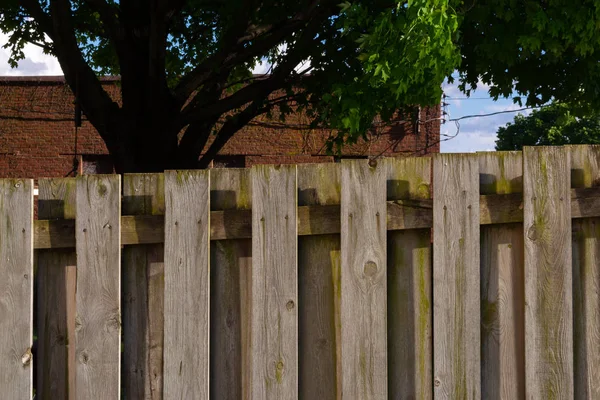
column 45, row 80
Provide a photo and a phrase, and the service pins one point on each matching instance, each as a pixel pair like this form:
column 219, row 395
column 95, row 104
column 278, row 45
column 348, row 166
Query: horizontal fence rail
column 312, row 220
column 458, row 276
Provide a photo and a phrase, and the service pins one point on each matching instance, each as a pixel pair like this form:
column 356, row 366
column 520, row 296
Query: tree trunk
column 145, row 145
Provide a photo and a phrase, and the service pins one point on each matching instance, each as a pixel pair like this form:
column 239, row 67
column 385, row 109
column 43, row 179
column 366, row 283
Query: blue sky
column 475, row 134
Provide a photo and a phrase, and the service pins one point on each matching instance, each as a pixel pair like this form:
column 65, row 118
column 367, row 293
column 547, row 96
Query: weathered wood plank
column 318, row 283
column 143, row 294
column 55, row 290
column 230, row 263
column 409, row 298
column 274, row 316
column 363, row 281
column 98, row 300
column 187, row 294
column 502, row 290
column 548, row 275
column 16, row 288
column 585, row 173
column 456, row 277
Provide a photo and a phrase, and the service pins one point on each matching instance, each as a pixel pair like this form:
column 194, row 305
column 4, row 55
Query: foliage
column 186, row 65
column 543, row 50
column 551, row 125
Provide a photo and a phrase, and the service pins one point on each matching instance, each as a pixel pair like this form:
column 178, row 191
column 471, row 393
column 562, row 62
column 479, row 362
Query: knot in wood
column 290, row 305
column 532, row 233
column 26, row 357
column 370, row 268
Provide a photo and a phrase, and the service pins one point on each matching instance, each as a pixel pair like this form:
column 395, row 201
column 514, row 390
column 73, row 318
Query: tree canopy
column 555, row 124
column 186, row 65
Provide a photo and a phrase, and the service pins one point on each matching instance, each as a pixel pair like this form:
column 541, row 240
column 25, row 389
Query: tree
column 185, row 65
column 551, row 125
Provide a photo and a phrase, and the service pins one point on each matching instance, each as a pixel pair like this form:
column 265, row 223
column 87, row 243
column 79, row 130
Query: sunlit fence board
column 363, row 281
column 187, row 293
column 98, row 299
column 274, row 313
column 16, row 288
column 548, row 274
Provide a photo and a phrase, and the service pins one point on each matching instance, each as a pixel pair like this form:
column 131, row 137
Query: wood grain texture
column 502, row 285
column 409, row 273
column 187, row 294
column 16, row 288
column 143, row 294
column 98, row 320
column 318, row 283
column 231, row 263
column 456, row 277
column 548, row 275
column 55, row 297
column 363, row 281
column 585, row 173
column 274, row 316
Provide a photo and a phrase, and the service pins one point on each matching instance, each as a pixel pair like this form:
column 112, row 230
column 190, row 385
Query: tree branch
column 96, row 103
column 263, row 38
column 35, row 11
column 108, row 16
column 260, row 88
column 229, row 128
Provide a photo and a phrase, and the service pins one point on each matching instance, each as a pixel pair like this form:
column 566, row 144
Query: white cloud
column 467, row 141
column 35, row 62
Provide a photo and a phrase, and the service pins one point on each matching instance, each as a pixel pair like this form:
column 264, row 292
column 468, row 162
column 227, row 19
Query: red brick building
column 37, row 135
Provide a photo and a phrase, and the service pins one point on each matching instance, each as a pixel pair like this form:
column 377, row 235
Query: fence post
column 585, row 173
column 16, row 288
column 230, row 268
column 409, row 286
column 143, row 294
column 318, row 286
column 502, row 285
column 548, row 275
column 456, row 314
column 55, row 291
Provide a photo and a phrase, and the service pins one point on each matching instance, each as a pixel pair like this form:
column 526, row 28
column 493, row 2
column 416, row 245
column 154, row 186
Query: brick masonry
column 37, row 134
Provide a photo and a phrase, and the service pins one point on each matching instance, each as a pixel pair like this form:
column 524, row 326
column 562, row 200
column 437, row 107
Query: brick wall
column 37, row 134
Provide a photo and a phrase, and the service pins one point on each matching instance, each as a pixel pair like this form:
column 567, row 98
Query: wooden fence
column 317, row 282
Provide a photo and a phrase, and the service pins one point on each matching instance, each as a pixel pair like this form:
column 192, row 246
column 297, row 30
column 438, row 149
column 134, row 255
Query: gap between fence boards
column 312, row 220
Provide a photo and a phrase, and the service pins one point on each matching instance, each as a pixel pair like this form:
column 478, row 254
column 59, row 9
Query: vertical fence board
column 274, row 317
column 55, row 291
column 318, row 283
column 16, row 288
column 585, row 172
column 409, row 287
column 363, row 281
column 502, row 290
column 230, row 263
column 98, row 320
column 456, row 277
column 548, row 277
column 143, row 294
column 187, row 253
